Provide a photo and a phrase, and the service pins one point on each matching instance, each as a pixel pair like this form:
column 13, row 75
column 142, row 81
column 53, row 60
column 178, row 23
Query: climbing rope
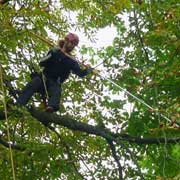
column 7, row 122
column 44, row 83
column 135, row 97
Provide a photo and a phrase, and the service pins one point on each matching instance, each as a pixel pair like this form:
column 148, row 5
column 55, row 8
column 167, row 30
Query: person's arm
column 80, row 72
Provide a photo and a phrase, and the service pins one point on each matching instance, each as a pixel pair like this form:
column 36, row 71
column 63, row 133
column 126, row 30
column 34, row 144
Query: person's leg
column 54, row 92
column 33, row 86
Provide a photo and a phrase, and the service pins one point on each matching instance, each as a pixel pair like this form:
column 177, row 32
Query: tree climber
column 57, row 66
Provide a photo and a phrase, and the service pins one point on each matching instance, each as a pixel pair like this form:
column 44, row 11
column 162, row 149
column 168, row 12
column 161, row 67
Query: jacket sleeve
column 78, row 71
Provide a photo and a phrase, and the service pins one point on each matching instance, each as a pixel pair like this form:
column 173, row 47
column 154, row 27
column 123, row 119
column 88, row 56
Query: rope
column 44, row 83
column 135, row 97
column 7, row 121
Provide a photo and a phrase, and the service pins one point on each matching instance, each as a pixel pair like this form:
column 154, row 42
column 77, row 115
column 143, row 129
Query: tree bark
column 75, row 125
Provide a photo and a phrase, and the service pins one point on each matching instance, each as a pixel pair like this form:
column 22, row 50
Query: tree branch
column 133, row 157
column 139, row 140
column 113, row 149
column 139, row 35
column 72, row 124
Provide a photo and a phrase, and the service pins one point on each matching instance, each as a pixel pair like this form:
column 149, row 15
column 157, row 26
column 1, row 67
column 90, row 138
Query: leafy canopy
column 133, row 143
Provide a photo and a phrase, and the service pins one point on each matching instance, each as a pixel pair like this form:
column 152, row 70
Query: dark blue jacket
column 58, row 65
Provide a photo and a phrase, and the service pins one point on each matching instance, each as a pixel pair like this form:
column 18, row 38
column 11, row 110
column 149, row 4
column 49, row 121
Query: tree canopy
column 101, row 130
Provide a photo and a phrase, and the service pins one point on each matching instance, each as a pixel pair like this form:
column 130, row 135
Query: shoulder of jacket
column 55, row 49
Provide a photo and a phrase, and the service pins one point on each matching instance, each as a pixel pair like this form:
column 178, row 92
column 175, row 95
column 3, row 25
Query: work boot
column 49, row 109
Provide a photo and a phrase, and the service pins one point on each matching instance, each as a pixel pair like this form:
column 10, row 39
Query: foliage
column 143, row 59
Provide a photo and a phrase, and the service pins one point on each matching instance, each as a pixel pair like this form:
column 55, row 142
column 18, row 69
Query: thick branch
column 139, row 140
column 72, row 124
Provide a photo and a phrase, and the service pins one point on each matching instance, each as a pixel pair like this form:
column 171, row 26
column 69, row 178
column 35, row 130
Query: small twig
column 139, row 36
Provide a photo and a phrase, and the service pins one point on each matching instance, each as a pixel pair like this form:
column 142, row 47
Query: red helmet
column 72, row 37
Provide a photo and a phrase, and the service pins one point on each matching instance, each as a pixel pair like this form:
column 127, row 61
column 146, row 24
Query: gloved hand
column 93, row 71
column 87, row 66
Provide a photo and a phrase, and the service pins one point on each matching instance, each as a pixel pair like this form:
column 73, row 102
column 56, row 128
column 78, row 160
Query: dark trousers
column 37, row 85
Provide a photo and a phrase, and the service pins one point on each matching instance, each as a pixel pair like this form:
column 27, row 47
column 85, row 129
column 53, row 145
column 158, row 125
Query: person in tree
column 57, row 66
